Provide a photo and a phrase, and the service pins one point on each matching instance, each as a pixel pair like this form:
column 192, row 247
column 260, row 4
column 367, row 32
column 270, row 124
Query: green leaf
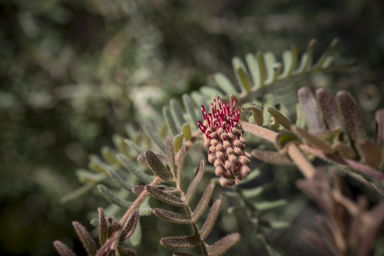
column 190, row 107
column 186, row 131
column 103, row 227
column 260, row 60
column 285, row 137
column 142, row 176
column 62, row 249
column 263, row 206
column 223, row 244
column 125, row 251
column 109, row 155
column 287, row 61
column 151, row 133
column 254, row 69
column 130, row 226
column 254, row 192
column 306, row 59
column 169, row 120
column 86, row 176
column 210, row 92
column 225, row 84
column 77, row 193
column 274, row 224
column 172, row 216
column 309, row 107
column 270, row 60
column 300, row 119
column 120, row 145
column 269, row 101
column 177, row 112
column 178, row 142
column 195, row 182
column 256, row 112
column 280, row 117
column 170, row 199
column 170, row 154
column 321, row 63
column 246, row 84
column 210, row 221
column 120, row 181
column 135, row 238
column 145, row 209
column 133, row 146
column 180, row 242
column 180, row 165
column 237, row 63
column 112, row 198
column 254, row 173
column 158, row 168
column 203, row 203
column 97, row 165
column 86, row 239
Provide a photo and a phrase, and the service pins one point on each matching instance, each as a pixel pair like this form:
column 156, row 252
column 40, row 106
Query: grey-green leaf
column 120, row 181
column 142, row 176
column 195, row 182
column 112, row 198
column 177, row 112
column 169, row 120
column 158, row 168
column 190, row 107
column 170, row 199
column 254, row 192
column 203, row 203
column 210, row 221
column 225, row 84
column 172, row 216
column 86, row 239
column 280, row 117
column 152, row 134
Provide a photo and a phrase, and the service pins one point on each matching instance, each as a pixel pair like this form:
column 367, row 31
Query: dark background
column 71, row 73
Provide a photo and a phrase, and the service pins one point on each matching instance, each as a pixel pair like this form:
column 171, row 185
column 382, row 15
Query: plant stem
column 259, row 131
column 306, row 168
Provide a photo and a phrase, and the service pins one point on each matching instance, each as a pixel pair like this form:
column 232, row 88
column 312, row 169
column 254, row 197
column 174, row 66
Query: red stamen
column 204, row 112
column 201, row 126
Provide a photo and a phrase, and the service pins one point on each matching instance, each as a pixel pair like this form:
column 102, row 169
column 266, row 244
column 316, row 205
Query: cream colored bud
column 219, row 147
column 212, row 148
column 219, row 171
column 224, row 182
column 237, row 143
column 244, row 160
column 206, row 143
column 224, row 136
column 220, row 131
column 214, row 142
column 242, row 139
column 217, row 163
column 230, row 136
column 220, row 155
column 248, row 155
column 227, row 165
column 237, row 151
column 226, row 144
column 245, row 170
column 229, row 151
column 214, row 135
column 211, row 158
column 232, row 159
column 235, row 131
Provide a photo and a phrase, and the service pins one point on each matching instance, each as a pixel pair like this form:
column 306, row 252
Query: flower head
column 224, row 139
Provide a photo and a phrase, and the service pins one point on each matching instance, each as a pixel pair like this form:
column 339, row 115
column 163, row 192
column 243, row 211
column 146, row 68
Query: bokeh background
column 72, row 73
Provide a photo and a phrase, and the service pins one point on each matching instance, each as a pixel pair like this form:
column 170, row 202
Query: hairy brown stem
column 259, row 131
column 306, row 168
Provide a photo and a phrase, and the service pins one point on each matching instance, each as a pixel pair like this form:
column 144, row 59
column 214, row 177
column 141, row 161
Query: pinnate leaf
column 152, row 134
column 190, row 107
column 172, row 216
column 130, row 226
column 309, row 107
column 203, row 203
column 210, row 221
column 223, row 244
column 142, row 176
column 170, row 199
column 169, row 120
column 195, row 182
column 119, row 180
column 170, row 154
column 177, row 112
column 62, row 249
column 157, row 166
column 328, row 107
column 86, row 239
column 112, row 198
column 181, row 242
column 103, row 227
column 180, row 165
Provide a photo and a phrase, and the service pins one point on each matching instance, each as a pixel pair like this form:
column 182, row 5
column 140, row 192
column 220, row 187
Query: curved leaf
column 157, row 166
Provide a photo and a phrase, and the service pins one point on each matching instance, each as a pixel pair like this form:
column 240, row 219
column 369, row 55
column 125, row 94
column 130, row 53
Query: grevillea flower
column 224, row 139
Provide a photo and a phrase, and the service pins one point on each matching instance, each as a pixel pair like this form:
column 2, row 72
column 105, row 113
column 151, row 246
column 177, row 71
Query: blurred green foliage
column 72, row 73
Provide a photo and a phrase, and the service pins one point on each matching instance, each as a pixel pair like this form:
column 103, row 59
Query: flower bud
column 212, row 149
column 229, row 151
column 224, row 182
column 232, row 159
column 220, row 155
column 227, row 165
column 214, row 142
column 211, row 158
column 242, row 139
column 217, row 163
column 235, row 131
column 219, row 147
column 244, row 160
column 219, row 171
column 220, row 131
column 248, row 155
column 237, row 151
column 245, row 170
column 206, row 143
column 226, row 144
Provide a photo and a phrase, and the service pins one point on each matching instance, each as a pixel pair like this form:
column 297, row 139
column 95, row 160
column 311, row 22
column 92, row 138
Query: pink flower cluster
column 225, row 142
